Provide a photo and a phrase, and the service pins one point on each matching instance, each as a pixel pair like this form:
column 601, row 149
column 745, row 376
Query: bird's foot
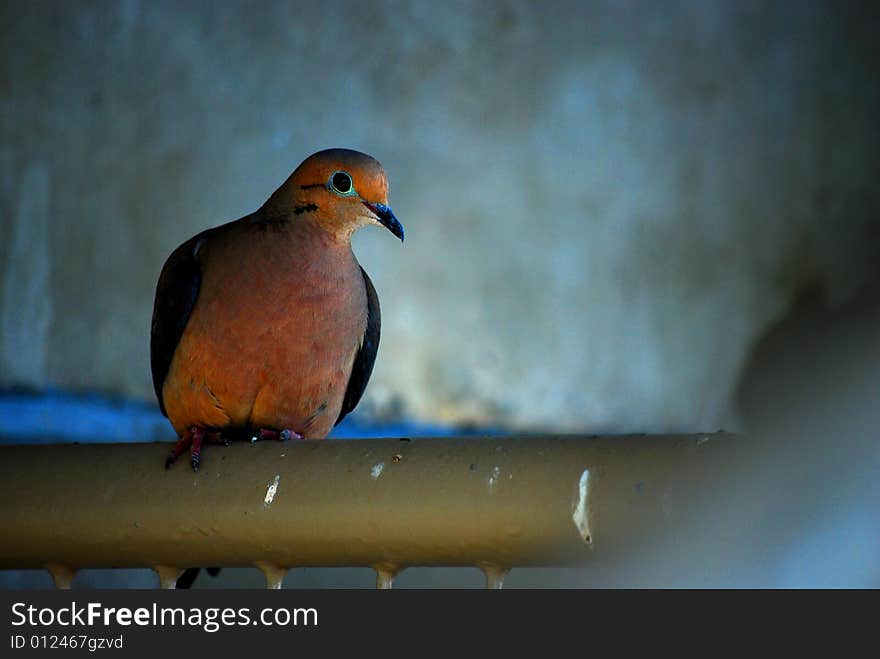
column 280, row 435
column 193, row 440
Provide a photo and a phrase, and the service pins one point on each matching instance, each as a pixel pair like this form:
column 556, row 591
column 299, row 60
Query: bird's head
column 340, row 190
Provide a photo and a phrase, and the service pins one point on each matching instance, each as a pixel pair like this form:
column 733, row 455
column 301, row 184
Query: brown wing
column 366, row 356
column 176, row 295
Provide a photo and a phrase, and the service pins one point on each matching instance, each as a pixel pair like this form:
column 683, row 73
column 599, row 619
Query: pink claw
column 283, row 435
column 193, row 440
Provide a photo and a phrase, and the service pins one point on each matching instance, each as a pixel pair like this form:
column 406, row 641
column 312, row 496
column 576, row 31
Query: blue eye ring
column 341, row 183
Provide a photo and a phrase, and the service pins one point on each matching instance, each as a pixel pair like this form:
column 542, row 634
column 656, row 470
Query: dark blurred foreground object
column 267, row 327
column 189, row 576
column 808, row 393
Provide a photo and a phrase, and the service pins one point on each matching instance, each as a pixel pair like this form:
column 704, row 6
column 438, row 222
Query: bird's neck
column 306, row 223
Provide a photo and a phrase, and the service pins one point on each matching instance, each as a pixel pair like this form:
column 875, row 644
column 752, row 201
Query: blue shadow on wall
column 54, row 417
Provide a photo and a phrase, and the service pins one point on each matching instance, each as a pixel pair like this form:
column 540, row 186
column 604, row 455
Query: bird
column 267, row 327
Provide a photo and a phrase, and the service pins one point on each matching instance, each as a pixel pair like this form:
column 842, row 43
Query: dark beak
column 387, row 218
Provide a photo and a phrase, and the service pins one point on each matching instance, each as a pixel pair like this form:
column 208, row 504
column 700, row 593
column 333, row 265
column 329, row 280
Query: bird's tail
column 189, row 575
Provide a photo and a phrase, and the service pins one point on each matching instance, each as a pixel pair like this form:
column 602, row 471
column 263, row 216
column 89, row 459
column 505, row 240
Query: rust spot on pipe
column 274, row 574
column 581, row 507
column 385, row 574
column 61, row 575
column 271, row 491
column 492, row 480
column 494, row 576
column 168, row 576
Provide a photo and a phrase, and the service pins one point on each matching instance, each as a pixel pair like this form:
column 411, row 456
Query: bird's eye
column 341, row 183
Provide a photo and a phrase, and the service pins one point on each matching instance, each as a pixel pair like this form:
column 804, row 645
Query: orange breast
column 272, row 338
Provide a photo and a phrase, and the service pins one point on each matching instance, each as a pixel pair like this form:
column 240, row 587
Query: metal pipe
column 495, row 503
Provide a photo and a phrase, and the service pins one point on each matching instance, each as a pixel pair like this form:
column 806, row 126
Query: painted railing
column 496, row 503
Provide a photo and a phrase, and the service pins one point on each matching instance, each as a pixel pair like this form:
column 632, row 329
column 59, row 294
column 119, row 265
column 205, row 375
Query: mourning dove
column 267, row 326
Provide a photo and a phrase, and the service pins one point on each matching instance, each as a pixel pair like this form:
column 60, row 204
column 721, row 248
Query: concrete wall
column 605, row 202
